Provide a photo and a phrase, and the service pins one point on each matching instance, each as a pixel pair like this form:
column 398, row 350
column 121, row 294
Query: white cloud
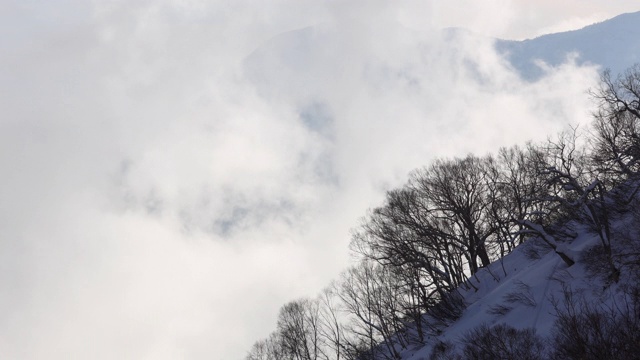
column 164, row 191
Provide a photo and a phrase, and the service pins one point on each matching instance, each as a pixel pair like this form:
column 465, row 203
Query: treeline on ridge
column 456, row 216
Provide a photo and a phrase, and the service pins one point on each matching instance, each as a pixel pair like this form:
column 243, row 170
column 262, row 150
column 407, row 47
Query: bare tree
column 616, row 126
column 515, row 188
column 267, row 349
column 332, row 330
column 562, row 165
column 299, row 330
column 621, row 94
column 457, row 190
column 404, row 234
column 372, row 300
column 616, row 145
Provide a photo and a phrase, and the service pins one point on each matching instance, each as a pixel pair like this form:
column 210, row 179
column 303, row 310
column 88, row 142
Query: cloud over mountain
column 174, row 171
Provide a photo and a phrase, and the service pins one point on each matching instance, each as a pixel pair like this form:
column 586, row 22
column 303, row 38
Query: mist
column 174, row 171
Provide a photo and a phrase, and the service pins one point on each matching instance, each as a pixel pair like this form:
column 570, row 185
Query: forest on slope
column 434, row 242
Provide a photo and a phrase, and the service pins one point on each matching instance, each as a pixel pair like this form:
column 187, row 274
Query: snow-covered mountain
column 528, row 289
column 610, row 44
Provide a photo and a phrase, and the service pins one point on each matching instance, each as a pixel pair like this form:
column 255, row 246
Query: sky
column 174, row 171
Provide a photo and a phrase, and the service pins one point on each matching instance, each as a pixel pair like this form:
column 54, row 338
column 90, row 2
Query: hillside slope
column 527, row 288
column 444, row 226
column 606, row 44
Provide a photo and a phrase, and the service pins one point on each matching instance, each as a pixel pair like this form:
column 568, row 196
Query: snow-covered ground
column 520, row 291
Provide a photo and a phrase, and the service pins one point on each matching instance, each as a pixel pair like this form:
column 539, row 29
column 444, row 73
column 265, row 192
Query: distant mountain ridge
column 293, row 57
column 612, row 44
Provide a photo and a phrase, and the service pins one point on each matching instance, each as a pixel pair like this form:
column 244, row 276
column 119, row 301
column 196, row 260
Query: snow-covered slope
column 611, row 44
column 523, row 289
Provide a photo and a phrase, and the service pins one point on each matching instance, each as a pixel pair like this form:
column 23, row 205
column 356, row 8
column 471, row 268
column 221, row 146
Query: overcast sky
column 174, row 171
